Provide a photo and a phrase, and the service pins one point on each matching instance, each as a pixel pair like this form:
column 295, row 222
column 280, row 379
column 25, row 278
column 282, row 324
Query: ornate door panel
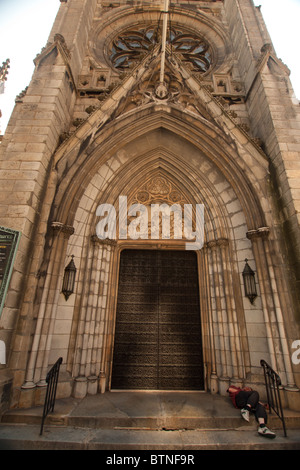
column 158, row 331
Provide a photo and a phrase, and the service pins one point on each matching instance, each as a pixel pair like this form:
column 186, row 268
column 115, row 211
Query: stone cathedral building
column 176, row 105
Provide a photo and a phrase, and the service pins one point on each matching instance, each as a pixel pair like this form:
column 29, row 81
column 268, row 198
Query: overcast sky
column 25, row 26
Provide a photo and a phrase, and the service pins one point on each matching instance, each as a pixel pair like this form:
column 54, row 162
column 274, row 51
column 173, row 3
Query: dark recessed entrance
column 158, row 331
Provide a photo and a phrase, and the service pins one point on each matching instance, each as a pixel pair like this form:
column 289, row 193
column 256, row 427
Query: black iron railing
column 273, row 383
column 51, row 379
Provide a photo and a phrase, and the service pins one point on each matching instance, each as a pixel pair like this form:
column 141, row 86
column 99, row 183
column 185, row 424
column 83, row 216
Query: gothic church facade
column 180, row 103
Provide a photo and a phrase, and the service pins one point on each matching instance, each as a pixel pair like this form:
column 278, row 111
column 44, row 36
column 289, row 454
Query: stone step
column 135, row 410
column 27, row 437
column 167, row 423
column 134, row 420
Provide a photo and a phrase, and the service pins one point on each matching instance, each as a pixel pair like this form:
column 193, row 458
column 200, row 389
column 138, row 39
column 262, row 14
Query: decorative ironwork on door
column 158, row 329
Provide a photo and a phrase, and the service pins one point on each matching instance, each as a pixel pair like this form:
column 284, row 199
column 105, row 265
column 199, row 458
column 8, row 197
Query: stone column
column 237, row 359
column 219, row 322
column 38, row 361
column 89, row 342
column 104, row 337
column 92, row 367
column 225, row 331
column 82, row 338
column 276, row 336
column 207, row 320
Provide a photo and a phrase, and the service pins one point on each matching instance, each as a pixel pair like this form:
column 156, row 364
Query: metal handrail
column 273, row 383
column 51, row 379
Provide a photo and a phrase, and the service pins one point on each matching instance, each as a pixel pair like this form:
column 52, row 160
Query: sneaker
column 264, row 431
column 245, row 414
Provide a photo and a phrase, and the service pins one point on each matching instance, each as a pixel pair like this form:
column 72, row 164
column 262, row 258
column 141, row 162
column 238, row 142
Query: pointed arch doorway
column 158, row 343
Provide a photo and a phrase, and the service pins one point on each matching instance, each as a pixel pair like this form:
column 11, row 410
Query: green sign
column 9, row 240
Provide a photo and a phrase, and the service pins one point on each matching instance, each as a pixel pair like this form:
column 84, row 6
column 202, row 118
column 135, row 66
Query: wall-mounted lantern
column 69, row 279
column 249, row 282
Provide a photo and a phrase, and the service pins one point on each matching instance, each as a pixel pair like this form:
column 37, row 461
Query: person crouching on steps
column 247, row 400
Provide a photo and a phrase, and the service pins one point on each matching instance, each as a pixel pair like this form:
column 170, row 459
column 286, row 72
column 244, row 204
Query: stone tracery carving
column 157, row 189
column 129, row 47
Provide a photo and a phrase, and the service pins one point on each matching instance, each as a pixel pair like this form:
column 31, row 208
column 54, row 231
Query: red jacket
column 233, row 391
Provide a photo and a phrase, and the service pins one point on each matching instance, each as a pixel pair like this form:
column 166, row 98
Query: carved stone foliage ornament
column 176, row 92
column 129, row 47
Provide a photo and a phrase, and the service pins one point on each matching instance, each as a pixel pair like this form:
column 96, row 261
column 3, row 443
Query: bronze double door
column 158, row 328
